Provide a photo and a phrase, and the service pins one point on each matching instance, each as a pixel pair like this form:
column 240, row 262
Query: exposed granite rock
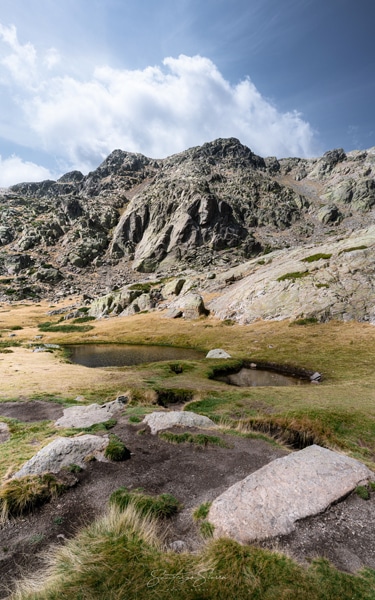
column 63, row 452
column 158, row 421
column 203, row 210
column 218, row 353
column 85, row 416
column 268, row 502
column 191, row 306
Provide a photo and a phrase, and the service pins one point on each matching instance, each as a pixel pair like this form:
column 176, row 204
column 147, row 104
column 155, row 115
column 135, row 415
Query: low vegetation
column 198, row 439
column 48, row 326
column 161, row 507
column 116, row 449
column 21, row 495
column 121, row 556
column 318, row 256
column 293, row 276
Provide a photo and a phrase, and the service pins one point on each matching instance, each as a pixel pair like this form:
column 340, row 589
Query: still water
column 254, row 378
column 120, row 355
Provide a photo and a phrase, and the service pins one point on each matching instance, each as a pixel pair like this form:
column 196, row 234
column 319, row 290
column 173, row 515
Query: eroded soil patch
column 31, row 411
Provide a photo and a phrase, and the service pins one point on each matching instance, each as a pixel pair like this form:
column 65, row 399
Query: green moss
column 315, row 257
column 353, row 248
column 293, row 276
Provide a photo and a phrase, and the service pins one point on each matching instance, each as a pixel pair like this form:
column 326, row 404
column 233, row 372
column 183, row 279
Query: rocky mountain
column 203, row 212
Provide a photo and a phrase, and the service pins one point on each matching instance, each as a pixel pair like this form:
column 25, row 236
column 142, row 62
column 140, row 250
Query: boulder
column 191, row 305
column 63, row 452
column 157, row 421
column 85, row 416
column 268, row 502
column 218, row 353
column 173, row 288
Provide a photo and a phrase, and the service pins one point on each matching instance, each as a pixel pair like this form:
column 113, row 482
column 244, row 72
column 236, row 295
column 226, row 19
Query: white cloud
column 158, row 111
column 52, row 58
column 21, row 61
column 14, row 170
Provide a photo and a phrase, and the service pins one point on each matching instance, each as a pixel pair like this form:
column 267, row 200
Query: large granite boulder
column 85, row 416
column 63, row 452
column 268, row 502
column 157, row 421
column 190, row 306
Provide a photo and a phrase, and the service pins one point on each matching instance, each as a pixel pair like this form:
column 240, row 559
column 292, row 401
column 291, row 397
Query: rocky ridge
column 217, row 220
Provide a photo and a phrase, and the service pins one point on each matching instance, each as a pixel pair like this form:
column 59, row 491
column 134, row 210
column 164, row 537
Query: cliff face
column 210, row 207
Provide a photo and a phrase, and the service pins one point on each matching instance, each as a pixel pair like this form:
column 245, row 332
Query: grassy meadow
column 118, row 556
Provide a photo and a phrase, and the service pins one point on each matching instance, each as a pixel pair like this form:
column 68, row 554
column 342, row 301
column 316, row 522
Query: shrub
column 116, row 449
column 162, row 506
column 21, row 495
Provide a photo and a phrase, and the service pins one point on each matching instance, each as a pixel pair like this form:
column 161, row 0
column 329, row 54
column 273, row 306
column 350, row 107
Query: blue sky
column 79, row 78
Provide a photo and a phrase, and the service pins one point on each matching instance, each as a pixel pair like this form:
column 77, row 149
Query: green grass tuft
column 363, row 492
column 202, row 511
column 162, row 506
column 120, row 556
column 199, row 439
column 21, row 495
column 116, row 449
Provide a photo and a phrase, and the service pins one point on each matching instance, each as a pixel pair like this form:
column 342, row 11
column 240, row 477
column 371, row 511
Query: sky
column 80, row 78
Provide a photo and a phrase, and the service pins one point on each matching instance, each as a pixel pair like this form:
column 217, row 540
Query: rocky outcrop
column 268, row 502
column 63, row 452
column 202, row 210
column 331, row 281
column 158, row 421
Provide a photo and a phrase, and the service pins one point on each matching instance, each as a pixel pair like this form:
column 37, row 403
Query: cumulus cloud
column 14, row 169
column 158, row 111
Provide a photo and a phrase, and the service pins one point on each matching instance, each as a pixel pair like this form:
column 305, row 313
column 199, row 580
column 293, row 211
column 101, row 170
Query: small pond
column 121, row 355
column 258, row 377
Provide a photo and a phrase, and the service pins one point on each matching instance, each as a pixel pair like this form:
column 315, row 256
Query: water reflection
column 254, row 378
column 120, row 355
